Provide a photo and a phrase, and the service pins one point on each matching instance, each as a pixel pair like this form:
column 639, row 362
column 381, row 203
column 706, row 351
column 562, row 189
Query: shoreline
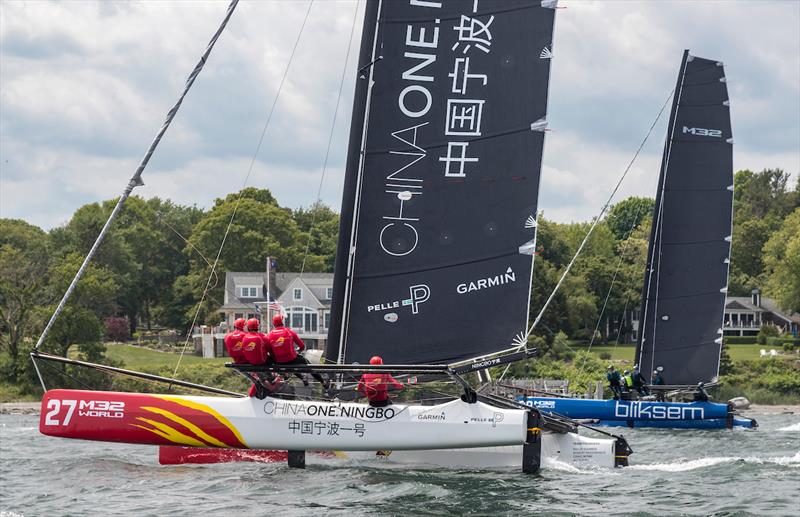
column 32, row 408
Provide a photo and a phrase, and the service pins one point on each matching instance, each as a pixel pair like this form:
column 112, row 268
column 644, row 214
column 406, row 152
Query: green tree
column 782, row 260
column 627, row 215
column 23, row 280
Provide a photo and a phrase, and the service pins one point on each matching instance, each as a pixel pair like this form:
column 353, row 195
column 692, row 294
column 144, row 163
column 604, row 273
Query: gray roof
column 317, row 283
column 767, row 305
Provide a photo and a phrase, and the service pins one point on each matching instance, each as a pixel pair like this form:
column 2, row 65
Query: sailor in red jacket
column 376, row 385
column 281, row 342
column 233, row 342
column 255, row 349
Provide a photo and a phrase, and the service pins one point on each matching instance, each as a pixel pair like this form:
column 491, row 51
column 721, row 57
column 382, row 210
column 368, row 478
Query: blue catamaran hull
column 635, row 413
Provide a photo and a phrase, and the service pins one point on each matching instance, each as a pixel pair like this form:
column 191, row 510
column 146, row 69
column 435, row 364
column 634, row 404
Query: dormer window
column 248, row 292
column 297, row 294
column 329, row 293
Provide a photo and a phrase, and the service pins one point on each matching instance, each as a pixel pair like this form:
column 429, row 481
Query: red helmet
column 239, row 324
column 277, row 320
column 376, row 360
column 252, row 324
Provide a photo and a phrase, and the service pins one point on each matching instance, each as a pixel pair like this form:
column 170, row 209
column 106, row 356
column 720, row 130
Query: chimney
column 755, row 297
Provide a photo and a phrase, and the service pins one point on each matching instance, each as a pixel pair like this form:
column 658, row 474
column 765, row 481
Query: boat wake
column 790, row 428
column 700, row 463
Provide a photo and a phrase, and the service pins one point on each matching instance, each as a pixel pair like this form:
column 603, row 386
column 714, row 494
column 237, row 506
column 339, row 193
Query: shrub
column 605, row 356
column 766, row 332
column 788, row 346
column 117, row 329
column 739, row 340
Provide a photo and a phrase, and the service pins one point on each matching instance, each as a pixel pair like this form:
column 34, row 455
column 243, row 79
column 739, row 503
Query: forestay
column 687, row 272
column 439, row 209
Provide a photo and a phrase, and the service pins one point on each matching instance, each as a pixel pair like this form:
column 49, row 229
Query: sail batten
column 683, row 297
column 442, row 184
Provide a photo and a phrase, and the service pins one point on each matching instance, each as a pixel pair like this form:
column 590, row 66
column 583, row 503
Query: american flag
column 275, row 305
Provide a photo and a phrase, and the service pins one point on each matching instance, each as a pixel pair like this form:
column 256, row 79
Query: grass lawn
column 136, row 358
column 626, row 352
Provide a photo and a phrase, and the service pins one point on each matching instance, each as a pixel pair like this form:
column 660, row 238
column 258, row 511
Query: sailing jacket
column 233, row 344
column 376, row 386
column 613, row 378
column 281, row 341
column 254, row 348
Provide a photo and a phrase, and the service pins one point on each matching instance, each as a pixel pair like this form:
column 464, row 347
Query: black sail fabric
column 442, row 180
column 685, row 285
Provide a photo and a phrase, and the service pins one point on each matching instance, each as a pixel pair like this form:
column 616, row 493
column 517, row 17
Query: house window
column 297, row 294
column 303, row 319
column 327, row 319
column 237, row 316
column 329, row 293
column 248, row 292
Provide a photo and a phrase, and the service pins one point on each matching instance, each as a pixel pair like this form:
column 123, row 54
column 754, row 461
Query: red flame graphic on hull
column 135, row 418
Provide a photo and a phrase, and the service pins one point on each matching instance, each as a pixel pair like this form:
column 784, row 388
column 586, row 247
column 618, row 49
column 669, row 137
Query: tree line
column 154, row 267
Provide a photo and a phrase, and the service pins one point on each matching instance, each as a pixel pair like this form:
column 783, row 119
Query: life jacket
column 376, row 386
column 627, row 381
column 254, row 348
column 233, row 344
column 281, row 341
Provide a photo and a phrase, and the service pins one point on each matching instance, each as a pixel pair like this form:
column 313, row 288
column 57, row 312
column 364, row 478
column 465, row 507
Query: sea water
column 672, row 472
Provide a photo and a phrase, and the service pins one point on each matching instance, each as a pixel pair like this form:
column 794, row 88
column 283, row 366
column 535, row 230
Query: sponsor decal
column 439, row 416
column 544, row 404
column 486, row 283
column 280, row 408
column 418, row 294
column 657, row 412
column 701, row 131
column 327, row 428
column 494, row 419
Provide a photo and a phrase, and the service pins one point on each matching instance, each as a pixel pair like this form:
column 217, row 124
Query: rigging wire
column 330, row 138
column 523, row 338
column 136, row 179
column 244, row 184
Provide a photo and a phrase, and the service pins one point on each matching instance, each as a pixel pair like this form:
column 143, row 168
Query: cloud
column 84, row 86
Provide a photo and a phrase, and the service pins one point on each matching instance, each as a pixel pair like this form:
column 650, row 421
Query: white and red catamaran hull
column 454, row 434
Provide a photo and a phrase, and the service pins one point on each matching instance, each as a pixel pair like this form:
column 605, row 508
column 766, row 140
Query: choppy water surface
column 672, row 472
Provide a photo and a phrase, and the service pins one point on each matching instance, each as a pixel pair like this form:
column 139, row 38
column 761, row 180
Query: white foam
column 684, row 466
column 793, row 427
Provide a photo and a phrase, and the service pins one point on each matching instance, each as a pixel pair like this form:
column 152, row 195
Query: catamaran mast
column 136, row 179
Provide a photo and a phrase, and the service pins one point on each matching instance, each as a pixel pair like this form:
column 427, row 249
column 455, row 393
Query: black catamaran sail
column 442, row 180
column 685, row 283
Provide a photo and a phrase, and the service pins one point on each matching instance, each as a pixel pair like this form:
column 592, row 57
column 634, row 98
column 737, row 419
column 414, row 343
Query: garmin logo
column 485, row 283
column 418, row 294
column 701, row 131
column 438, row 417
column 657, row 412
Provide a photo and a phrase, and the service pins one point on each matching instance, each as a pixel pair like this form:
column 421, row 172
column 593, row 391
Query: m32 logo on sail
column 701, row 131
column 418, row 294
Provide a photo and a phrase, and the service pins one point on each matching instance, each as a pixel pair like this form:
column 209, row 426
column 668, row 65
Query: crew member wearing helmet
column 281, row 341
column 375, row 386
column 255, row 349
column 233, row 342
column 658, row 380
column 639, row 382
column 614, row 381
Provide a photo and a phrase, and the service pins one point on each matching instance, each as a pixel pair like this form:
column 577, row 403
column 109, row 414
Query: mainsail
column 442, row 180
column 685, row 283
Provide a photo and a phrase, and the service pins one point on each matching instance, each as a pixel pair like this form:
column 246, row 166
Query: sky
column 85, row 86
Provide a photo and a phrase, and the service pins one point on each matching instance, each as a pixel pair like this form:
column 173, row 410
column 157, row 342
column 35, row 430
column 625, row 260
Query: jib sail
column 442, row 180
column 685, row 283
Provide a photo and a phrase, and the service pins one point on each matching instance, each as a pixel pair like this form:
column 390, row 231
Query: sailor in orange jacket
column 233, row 342
column 375, row 386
